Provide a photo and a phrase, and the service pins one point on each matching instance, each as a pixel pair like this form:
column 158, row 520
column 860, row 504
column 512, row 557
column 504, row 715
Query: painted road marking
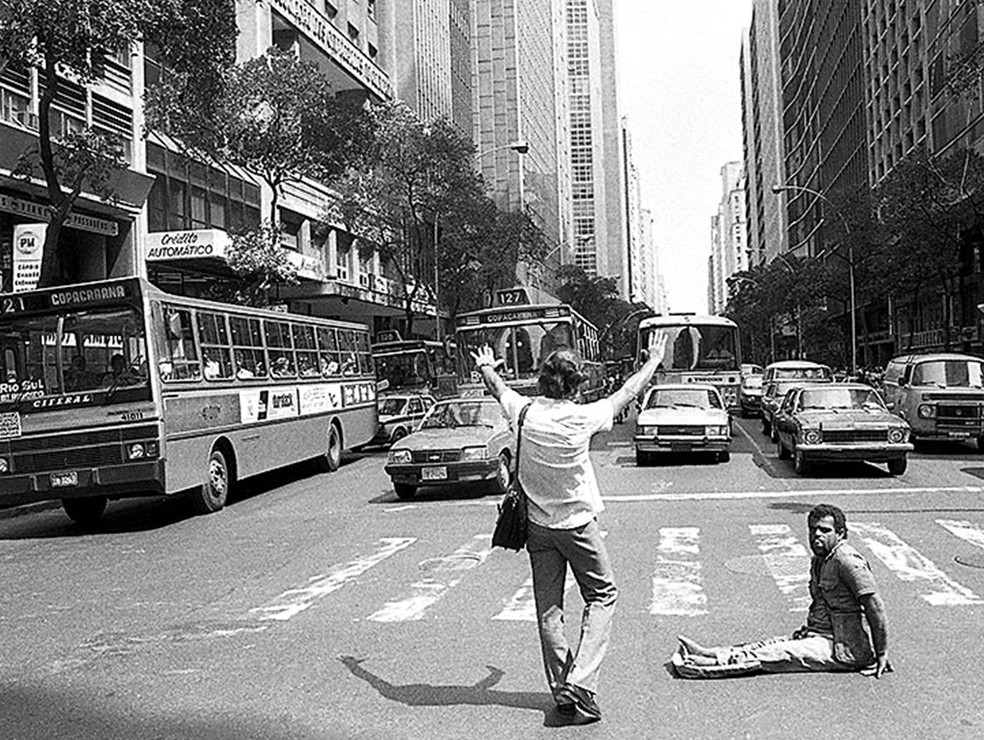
column 964, row 530
column 788, row 562
column 678, row 588
column 296, row 600
column 912, row 566
column 446, row 573
column 820, row 492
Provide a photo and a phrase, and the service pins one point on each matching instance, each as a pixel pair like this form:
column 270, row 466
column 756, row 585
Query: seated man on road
column 843, row 598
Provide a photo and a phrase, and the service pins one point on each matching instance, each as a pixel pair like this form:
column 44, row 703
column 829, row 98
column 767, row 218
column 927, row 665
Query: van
column 941, row 395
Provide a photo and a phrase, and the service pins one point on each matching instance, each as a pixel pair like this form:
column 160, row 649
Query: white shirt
column 554, row 467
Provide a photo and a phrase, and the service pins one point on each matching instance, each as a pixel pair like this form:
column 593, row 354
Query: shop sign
column 74, row 221
column 182, row 245
column 28, row 251
column 307, row 266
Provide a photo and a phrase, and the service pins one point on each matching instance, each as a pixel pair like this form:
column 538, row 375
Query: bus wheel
column 502, row 474
column 84, row 511
column 215, row 488
column 404, row 490
column 333, row 450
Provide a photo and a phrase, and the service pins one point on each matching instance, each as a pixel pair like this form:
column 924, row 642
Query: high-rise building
column 642, row 263
column 762, row 131
column 728, row 241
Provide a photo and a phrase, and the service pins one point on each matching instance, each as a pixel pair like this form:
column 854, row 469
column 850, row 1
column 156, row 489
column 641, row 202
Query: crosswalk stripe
column 446, row 573
column 788, row 562
column 912, row 566
column 296, row 600
column 964, row 530
column 522, row 606
column 678, row 588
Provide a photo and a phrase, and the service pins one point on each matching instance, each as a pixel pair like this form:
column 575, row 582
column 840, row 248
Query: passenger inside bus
column 119, row 373
column 78, row 377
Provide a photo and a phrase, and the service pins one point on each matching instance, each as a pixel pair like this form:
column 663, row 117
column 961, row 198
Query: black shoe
column 582, row 699
column 565, row 707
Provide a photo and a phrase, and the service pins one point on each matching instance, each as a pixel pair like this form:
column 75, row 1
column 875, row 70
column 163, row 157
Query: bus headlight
column 716, row 431
column 473, row 453
column 897, row 435
column 141, row 450
column 927, row 411
column 400, row 456
column 812, row 436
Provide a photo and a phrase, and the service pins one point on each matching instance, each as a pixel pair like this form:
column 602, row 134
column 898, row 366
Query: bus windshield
column 524, row 348
column 98, row 351
column 409, row 369
column 691, row 347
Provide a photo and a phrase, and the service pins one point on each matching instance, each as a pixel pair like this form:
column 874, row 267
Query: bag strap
column 519, row 435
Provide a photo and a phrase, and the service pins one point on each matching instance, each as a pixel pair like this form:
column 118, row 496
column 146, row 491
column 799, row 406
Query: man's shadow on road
column 480, row 693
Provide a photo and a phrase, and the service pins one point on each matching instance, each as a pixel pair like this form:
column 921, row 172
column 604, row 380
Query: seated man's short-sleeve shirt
column 555, row 467
column 837, row 584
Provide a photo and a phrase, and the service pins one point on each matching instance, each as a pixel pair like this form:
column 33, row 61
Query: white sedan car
column 678, row 418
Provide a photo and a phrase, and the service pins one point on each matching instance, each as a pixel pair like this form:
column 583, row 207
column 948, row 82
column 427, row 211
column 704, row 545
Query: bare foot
column 689, row 647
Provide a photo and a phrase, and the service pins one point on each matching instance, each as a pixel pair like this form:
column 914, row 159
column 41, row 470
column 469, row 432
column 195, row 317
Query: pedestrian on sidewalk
column 844, row 600
column 564, row 504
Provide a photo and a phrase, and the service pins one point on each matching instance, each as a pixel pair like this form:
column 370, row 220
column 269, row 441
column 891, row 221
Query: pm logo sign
column 28, row 251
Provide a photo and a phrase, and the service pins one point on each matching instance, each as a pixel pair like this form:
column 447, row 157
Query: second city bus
column 116, row 389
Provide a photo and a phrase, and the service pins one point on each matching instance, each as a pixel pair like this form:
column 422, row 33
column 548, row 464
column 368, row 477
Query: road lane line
column 964, row 530
column 446, row 573
column 293, row 602
column 912, row 566
column 678, row 588
column 819, row 492
column 788, row 562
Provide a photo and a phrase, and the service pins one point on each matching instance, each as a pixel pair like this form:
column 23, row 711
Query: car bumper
column 682, row 444
column 872, row 453
column 453, row 472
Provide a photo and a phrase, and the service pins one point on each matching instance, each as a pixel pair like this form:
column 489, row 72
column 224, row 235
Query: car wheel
column 980, row 443
column 724, row 456
column 404, row 490
column 800, row 465
column 781, row 452
column 502, row 473
column 898, row 465
column 766, row 426
column 642, row 459
column 85, row 511
column 398, row 434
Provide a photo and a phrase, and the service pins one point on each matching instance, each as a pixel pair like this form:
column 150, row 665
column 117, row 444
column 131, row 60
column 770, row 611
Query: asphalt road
column 321, row 606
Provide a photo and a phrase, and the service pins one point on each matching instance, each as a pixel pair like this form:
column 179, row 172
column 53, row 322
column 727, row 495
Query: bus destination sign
column 519, row 315
column 43, row 301
column 513, row 297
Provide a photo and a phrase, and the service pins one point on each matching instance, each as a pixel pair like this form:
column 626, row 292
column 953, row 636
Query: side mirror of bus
column 644, row 355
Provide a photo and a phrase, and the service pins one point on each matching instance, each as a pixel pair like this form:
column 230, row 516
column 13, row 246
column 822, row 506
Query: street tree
column 260, row 265
column 68, row 43
column 397, row 202
column 597, row 298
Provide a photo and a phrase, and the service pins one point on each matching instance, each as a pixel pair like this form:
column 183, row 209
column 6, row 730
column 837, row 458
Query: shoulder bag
column 511, row 525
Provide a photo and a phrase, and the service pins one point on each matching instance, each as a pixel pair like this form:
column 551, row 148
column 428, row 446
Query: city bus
column 412, row 365
column 699, row 349
column 523, row 327
column 116, row 389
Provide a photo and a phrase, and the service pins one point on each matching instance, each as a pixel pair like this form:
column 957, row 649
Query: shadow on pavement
column 32, row 713
column 481, row 693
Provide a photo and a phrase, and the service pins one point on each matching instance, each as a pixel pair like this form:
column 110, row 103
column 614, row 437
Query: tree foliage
column 69, row 40
column 598, row 300
column 260, row 263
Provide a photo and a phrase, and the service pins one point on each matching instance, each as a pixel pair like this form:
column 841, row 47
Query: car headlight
column 400, row 456
column 716, row 431
column 473, row 453
column 647, row 431
column 812, row 436
column 4, row 465
column 927, row 411
column 897, row 435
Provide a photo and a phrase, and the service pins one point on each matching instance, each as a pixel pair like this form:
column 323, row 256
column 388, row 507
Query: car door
column 415, row 412
column 784, row 422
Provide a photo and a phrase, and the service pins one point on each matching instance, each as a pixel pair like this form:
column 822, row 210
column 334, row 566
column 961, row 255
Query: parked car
column 459, row 441
column 840, row 421
column 750, row 395
column 399, row 415
column 687, row 417
column 939, row 395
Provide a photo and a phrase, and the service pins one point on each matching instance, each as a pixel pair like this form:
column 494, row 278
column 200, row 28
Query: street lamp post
column 778, row 189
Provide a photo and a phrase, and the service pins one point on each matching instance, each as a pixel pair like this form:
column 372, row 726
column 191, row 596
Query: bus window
column 215, row 346
column 180, row 358
column 279, row 349
column 247, row 348
column 347, row 346
column 331, row 366
column 365, row 354
column 307, row 356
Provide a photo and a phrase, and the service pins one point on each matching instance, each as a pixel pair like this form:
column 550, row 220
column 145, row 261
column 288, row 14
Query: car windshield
column 455, row 414
column 392, row 406
column 949, row 374
column 840, row 398
column 802, row 373
column 684, row 397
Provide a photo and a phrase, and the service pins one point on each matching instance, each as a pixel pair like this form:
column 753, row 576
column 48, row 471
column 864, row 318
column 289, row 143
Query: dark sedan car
column 840, row 421
column 459, row 441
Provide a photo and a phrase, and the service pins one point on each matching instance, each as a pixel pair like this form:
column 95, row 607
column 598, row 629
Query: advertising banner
column 28, row 250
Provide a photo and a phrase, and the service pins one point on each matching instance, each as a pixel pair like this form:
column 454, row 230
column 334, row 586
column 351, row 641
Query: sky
column 680, row 90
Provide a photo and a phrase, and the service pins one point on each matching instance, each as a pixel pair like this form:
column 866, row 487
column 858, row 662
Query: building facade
column 729, row 253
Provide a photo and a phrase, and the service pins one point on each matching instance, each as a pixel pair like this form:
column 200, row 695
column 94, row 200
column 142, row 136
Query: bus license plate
column 440, row 473
column 64, row 480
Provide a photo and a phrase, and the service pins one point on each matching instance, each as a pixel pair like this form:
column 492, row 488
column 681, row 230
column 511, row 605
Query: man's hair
column 819, row 511
column 561, row 376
